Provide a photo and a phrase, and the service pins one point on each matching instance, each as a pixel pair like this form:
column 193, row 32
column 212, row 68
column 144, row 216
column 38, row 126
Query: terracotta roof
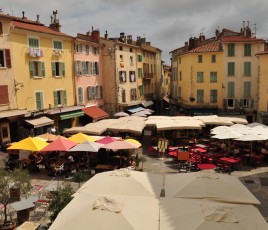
column 262, row 53
column 241, row 39
column 38, row 28
column 210, row 47
column 13, row 18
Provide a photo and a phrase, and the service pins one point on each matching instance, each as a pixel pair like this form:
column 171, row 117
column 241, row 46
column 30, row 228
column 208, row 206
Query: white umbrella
column 108, row 212
column 121, row 114
column 250, row 137
column 86, row 146
column 206, row 215
column 208, row 185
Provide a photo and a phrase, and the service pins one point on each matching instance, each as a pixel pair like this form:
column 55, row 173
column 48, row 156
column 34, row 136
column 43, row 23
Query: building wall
column 263, row 83
column 7, row 74
column 47, row 84
column 139, row 79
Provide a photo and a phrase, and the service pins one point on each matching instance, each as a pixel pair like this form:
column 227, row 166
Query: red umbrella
column 61, row 144
column 106, row 140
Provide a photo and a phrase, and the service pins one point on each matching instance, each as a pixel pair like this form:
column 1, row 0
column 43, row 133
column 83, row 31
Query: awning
column 147, row 103
column 135, row 110
column 11, row 113
column 40, row 122
column 166, row 99
column 71, row 115
column 95, row 112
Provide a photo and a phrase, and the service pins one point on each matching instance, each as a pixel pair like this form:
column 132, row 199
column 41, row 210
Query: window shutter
column 88, row 93
column 53, row 64
column 31, row 68
column 64, row 97
column 76, row 67
column 101, row 95
column 38, row 99
column 55, row 98
column 1, row 28
column 4, row 98
column 43, row 69
column 8, row 58
column 93, row 93
column 63, row 69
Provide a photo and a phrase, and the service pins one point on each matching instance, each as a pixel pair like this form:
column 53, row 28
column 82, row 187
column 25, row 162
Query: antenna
column 202, row 30
column 255, row 29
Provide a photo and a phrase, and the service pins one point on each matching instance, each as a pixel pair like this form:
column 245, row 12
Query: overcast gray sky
column 167, row 24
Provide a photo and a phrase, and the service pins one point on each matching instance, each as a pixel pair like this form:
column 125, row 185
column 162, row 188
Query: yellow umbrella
column 80, row 137
column 133, row 141
column 29, row 143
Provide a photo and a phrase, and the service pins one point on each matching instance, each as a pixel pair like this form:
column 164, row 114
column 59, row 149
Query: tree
column 60, row 198
column 17, row 180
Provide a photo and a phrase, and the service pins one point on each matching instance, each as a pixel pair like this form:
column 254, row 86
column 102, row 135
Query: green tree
column 16, row 180
column 60, row 198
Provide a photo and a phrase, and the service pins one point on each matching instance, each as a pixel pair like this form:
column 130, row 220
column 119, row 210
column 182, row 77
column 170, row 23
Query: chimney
column 37, row 18
column 129, row 39
column 95, row 35
column 23, row 17
column 88, row 33
column 186, row 46
column 55, row 23
column 217, row 33
column 106, row 35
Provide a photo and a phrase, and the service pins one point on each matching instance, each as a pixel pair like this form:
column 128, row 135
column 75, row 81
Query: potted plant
column 13, row 185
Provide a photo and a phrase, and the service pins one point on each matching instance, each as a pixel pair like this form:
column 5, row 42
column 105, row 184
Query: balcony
column 148, row 75
column 35, row 52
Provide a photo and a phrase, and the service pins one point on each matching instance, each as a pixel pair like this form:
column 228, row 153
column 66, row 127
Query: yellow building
column 199, row 77
column 263, row 88
column 165, row 81
column 43, row 66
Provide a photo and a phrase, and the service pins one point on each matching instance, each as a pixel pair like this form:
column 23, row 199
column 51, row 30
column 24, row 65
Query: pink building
column 88, row 75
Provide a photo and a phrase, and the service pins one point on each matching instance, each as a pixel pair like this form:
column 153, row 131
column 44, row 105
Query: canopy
column 209, row 185
column 121, row 114
column 206, row 215
column 86, row 146
column 80, row 137
column 120, row 144
column 124, row 182
column 108, row 212
column 49, row 136
column 61, row 144
column 106, row 140
column 29, row 143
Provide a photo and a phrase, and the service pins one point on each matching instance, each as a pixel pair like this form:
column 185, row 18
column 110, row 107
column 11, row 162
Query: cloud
column 166, row 24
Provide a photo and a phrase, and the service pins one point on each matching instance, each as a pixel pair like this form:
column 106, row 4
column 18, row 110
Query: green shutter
column 64, row 97
column 38, row 99
column 63, row 69
column 55, row 98
column 31, row 67
column 53, row 64
column 43, row 69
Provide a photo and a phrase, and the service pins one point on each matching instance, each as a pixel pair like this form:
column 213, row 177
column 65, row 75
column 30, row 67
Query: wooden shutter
column 93, row 93
column 8, row 58
column 31, row 68
column 64, row 97
column 55, row 98
column 43, row 73
column 101, row 95
column 53, row 65
column 4, row 95
column 97, row 68
column 39, row 100
column 63, row 69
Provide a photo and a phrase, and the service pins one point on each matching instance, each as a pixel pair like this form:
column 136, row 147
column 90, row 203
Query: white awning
column 11, row 113
column 147, row 103
column 40, row 122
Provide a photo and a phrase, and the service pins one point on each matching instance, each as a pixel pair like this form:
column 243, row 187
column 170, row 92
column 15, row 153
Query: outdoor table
column 232, row 161
column 206, row 166
column 102, row 168
column 28, row 225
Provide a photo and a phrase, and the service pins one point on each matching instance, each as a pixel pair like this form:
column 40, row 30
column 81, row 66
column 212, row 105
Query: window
column 78, row 69
column 213, row 96
column 200, row 58
column 5, row 60
column 80, row 95
column 4, row 97
column 4, row 131
column 123, row 95
column 130, row 50
column 179, row 60
column 140, row 58
column 231, row 89
column 247, row 49
column 87, row 49
column 90, row 93
column 131, row 60
column 84, row 68
column 230, row 103
column 95, row 50
column 81, row 48
column 1, row 28
column 139, row 72
column 132, row 77
column 231, row 50
column 231, row 68
column 33, row 43
column 96, row 68
column 247, row 89
column 133, row 95
column 57, row 45
column 60, row 98
column 200, row 77
column 180, row 76
column 121, row 48
column 39, row 100
column 141, row 90
column 247, row 68
column 200, row 95
column 37, row 69
column 122, row 76
column 58, row 69
column 76, row 48
column 213, row 58
column 213, row 77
